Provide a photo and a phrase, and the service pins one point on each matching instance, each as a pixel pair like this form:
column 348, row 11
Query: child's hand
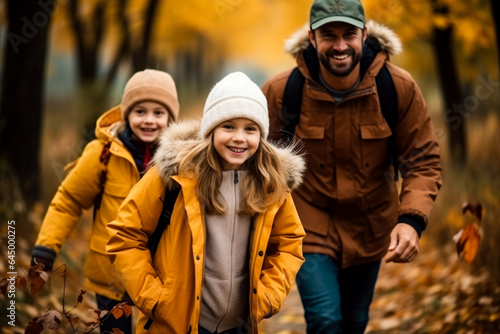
column 46, row 262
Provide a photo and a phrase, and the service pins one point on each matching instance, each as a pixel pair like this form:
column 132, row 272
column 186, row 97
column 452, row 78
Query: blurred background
column 63, row 63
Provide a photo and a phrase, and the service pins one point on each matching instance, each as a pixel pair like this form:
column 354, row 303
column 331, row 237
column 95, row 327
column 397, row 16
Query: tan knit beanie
column 235, row 96
column 150, row 85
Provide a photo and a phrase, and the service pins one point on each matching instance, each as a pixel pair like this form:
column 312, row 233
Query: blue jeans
column 123, row 323
column 336, row 300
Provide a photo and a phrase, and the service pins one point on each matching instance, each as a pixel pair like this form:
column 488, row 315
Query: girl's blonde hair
column 263, row 185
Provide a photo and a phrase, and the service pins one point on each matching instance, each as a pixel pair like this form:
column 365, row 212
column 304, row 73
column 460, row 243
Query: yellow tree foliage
column 414, row 22
column 238, row 29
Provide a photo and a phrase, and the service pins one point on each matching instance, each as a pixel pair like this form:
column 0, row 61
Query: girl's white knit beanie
column 150, row 85
column 235, row 96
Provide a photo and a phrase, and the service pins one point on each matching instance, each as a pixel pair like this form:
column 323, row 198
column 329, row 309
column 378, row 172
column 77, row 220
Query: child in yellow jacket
column 127, row 137
column 234, row 244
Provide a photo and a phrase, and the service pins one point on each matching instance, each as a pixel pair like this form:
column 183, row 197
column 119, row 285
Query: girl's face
column 236, row 140
column 147, row 120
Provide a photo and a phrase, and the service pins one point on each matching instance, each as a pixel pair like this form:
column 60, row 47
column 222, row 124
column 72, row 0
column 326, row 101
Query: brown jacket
column 348, row 201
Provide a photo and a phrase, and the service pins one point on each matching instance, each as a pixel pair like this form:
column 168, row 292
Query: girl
column 234, row 244
column 127, row 136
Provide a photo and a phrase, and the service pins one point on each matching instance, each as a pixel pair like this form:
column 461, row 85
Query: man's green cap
column 326, row 11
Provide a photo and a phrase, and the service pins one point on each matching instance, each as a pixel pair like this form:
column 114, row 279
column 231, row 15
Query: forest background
column 63, row 63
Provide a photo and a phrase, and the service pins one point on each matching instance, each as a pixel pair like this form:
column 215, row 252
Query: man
column 348, row 202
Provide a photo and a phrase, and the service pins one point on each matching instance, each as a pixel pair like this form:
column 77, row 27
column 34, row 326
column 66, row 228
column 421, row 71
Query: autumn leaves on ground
column 437, row 293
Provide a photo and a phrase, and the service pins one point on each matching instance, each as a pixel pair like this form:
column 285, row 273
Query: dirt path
column 434, row 294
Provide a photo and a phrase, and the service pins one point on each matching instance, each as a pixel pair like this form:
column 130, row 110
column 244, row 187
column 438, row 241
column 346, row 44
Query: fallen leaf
column 52, row 320
column 80, row 296
column 34, row 270
column 468, row 240
column 21, row 281
column 3, row 286
column 101, row 313
column 92, row 324
column 475, row 208
column 117, row 312
column 38, row 280
column 485, row 300
column 74, row 321
column 121, row 309
column 127, row 309
column 34, row 327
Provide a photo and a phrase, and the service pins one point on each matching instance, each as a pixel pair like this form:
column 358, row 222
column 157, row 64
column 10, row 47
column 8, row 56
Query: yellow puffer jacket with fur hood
column 173, row 279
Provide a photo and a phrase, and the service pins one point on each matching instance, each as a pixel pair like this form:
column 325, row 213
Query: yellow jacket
column 173, row 280
column 77, row 193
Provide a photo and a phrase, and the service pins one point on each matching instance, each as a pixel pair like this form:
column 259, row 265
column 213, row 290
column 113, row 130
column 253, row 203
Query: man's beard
column 344, row 71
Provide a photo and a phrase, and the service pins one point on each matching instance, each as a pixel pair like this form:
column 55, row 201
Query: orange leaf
column 468, row 240
column 117, row 331
column 117, row 312
column 127, row 309
column 475, row 208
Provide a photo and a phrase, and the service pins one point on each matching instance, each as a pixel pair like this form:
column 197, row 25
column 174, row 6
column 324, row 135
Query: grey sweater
column 225, row 295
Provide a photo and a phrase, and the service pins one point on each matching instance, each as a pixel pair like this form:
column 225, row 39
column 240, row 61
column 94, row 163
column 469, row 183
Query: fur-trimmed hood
column 185, row 134
column 385, row 37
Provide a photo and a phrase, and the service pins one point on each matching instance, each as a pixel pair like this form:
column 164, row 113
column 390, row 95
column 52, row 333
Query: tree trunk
column 87, row 48
column 22, row 92
column 141, row 54
column 92, row 94
column 442, row 43
column 124, row 47
column 495, row 10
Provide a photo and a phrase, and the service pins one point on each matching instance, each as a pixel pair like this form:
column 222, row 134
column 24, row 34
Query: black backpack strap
column 164, row 220
column 388, row 100
column 292, row 100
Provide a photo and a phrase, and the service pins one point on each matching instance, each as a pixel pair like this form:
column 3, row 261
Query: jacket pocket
column 312, row 137
column 99, row 270
column 119, row 190
column 266, row 308
column 374, row 144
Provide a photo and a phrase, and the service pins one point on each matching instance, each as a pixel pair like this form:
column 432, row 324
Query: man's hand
column 403, row 247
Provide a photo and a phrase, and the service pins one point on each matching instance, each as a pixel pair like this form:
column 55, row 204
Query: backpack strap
column 164, row 220
column 104, row 159
column 292, row 100
column 163, row 223
column 388, row 100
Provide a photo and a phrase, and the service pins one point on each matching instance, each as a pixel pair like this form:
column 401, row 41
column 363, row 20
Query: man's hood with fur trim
column 182, row 135
column 384, row 36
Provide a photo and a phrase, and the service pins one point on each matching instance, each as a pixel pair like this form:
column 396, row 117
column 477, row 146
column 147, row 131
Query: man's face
column 339, row 46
